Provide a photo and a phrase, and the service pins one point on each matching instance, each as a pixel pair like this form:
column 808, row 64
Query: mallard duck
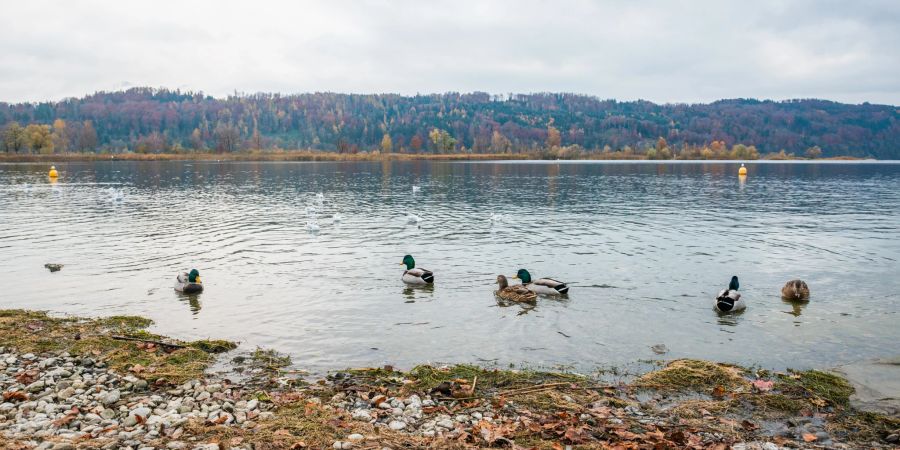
column 546, row 286
column 516, row 293
column 415, row 276
column 795, row 290
column 189, row 283
column 729, row 299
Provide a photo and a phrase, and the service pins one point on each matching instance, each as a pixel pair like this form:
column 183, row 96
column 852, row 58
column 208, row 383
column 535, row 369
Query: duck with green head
column 729, row 299
column 413, row 275
column 545, row 286
column 189, row 282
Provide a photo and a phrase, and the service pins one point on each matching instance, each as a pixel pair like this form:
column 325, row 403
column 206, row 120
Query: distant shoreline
column 305, row 155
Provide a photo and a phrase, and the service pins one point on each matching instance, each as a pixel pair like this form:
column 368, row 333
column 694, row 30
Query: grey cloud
column 663, row 51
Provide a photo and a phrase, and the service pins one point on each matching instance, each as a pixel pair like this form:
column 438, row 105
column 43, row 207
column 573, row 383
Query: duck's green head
column 194, row 276
column 523, row 275
column 409, row 262
column 734, row 285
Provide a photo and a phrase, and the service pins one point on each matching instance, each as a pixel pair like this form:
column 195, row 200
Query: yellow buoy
column 53, row 173
column 742, row 170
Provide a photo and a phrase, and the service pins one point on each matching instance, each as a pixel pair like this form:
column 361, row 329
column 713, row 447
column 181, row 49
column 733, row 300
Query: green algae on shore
column 36, row 332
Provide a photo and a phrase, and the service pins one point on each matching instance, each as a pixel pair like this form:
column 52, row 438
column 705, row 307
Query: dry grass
column 692, row 374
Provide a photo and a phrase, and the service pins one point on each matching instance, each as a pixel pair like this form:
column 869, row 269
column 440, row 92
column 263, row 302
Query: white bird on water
column 320, row 197
column 337, row 218
column 416, row 189
column 116, row 195
column 312, row 226
column 497, row 218
column 413, row 219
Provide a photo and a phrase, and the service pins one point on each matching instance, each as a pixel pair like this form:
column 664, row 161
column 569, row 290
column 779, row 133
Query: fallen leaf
column 809, row 437
column 749, row 426
column 718, row 391
column 298, row 445
column 17, row 396
column 137, row 368
column 27, row 377
column 818, row 402
column 763, row 385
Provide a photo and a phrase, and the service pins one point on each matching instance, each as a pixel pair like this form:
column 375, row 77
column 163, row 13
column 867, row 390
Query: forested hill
column 156, row 120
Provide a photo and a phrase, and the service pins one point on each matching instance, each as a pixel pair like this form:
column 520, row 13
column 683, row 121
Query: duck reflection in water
column 796, row 307
column 411, row 291
column 193, row 301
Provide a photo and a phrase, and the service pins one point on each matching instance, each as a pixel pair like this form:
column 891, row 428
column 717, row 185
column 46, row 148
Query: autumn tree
column 554, row 139
column 60, row 136
column 387, row 145
column 13, row 138
column 499, row 143
column 87, row 139
column 661, row 143
column 39, row 139
column 416, row 143
column 196, row 140
column 442, row 140
column 813, row 152
column 227, row 138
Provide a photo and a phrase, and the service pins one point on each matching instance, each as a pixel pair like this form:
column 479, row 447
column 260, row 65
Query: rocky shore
column 68, row 384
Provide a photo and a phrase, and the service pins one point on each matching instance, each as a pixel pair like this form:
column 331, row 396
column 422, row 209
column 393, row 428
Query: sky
column 662, row 51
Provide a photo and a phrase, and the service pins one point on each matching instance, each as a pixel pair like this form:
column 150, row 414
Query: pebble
column 111, row 397
column 106, row 399
column 397, row 425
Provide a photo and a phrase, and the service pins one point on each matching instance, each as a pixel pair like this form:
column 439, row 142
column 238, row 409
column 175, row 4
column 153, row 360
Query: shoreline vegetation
column 75, row 383
column 316, row 155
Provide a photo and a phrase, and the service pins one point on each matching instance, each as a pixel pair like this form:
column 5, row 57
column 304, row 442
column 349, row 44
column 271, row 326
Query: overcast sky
column 663, row 51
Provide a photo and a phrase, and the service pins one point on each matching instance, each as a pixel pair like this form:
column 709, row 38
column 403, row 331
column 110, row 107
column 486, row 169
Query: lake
column 644, row 246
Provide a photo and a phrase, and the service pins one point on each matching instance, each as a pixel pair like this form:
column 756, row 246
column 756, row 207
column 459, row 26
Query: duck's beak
column 198, row 280
column 515, row 277
column 402, row 264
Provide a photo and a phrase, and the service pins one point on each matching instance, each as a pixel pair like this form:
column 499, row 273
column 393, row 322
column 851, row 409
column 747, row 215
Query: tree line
column 147, row 120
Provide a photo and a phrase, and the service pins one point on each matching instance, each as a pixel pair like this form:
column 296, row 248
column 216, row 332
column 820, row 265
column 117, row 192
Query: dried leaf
column 818, row 402
column 749, row 426
column 17, row 396
column 137, row 368
column 809, row 437
column 718, row 391
column 27, row 377
column 298, row 445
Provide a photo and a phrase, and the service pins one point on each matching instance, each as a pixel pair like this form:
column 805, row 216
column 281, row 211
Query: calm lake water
column 644, row 246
